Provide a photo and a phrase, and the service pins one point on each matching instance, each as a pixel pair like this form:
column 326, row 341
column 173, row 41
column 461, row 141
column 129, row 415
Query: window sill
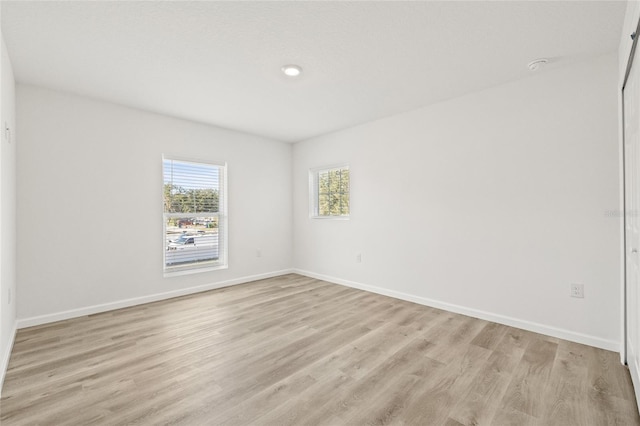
column 179, row 271
column 330, row 217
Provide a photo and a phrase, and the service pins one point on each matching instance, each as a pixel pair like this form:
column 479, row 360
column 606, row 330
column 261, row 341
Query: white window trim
column 313, row 192
column 223, row 225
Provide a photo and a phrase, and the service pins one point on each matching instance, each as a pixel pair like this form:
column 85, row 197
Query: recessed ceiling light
column 537, row 64
column 292, row 70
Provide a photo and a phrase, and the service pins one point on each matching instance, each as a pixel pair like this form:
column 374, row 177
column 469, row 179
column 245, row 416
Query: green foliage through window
column 178, row 199
column 190, row 187
column 333, row 192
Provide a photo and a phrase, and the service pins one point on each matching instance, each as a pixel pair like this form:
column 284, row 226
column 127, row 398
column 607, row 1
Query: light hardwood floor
column 294, row 350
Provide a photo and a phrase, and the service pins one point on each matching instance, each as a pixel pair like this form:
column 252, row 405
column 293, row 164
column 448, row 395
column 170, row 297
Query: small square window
column 329, row 189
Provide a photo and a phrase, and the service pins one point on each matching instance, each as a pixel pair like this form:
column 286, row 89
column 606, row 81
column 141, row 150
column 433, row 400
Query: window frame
column 314, row 192
column 223, row 237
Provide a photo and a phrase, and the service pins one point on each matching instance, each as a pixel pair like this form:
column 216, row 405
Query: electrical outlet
column 358, row 257
column 577, row 290
column 7, row 132
column 258, row 253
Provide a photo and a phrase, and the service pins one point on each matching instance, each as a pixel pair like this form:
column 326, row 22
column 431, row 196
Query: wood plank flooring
column 293, row 350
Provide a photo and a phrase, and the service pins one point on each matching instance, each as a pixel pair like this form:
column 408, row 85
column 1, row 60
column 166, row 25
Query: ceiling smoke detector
column 292, row 70
column 537, row 64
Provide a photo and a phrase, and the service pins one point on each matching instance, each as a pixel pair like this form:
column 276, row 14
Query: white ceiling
column 219, row 62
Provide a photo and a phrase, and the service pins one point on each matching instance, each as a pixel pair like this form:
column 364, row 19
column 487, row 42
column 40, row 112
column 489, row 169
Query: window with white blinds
column 194, row 215
column 330, row 192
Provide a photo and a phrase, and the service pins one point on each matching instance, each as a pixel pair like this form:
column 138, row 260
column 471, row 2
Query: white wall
column 90, row 204
column 629, row 26
column 7, row 212
column 490, row 204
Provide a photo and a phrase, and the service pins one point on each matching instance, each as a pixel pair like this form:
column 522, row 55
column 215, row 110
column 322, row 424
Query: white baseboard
column 6, row 356
column 488, row 316
column 585, row 339
column 95, row 309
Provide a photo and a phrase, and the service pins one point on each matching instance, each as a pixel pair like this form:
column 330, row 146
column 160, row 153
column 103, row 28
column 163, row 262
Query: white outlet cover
column 577, row 290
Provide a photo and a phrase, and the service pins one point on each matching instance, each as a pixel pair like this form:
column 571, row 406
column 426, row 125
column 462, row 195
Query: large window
column 329, row 188
column 194, row 216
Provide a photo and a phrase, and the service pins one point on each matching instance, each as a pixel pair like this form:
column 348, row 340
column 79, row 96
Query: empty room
column 319, row 213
